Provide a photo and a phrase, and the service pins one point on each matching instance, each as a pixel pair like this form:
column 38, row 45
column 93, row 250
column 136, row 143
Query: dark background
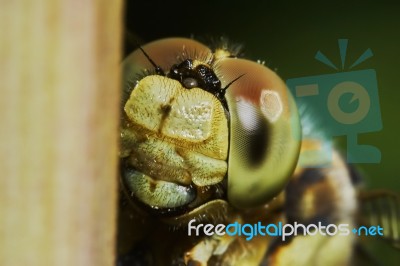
column 287, row 35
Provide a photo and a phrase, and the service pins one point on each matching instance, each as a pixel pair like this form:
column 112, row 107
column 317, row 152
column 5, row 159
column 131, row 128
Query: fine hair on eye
column 157, row 68
column 233, row 81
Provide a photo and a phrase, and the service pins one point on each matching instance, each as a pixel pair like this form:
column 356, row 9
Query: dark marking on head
column 165, row 111
column 153, row 186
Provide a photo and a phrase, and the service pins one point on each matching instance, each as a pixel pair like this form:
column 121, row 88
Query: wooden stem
column 60, row 83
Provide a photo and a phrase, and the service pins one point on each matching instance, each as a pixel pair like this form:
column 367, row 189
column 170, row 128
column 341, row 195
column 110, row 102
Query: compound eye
column 190, row 83
column 264, row 132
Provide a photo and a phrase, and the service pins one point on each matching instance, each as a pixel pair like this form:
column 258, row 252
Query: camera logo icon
column 358, row 92
column 339, row 104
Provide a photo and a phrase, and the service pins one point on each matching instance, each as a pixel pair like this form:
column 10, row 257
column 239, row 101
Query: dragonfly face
column 214, row 138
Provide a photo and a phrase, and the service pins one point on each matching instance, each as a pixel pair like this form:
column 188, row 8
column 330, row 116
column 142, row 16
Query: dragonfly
column 209, row 139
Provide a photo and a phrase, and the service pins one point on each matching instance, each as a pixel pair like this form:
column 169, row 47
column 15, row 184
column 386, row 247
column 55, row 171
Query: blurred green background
column 286, row 35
